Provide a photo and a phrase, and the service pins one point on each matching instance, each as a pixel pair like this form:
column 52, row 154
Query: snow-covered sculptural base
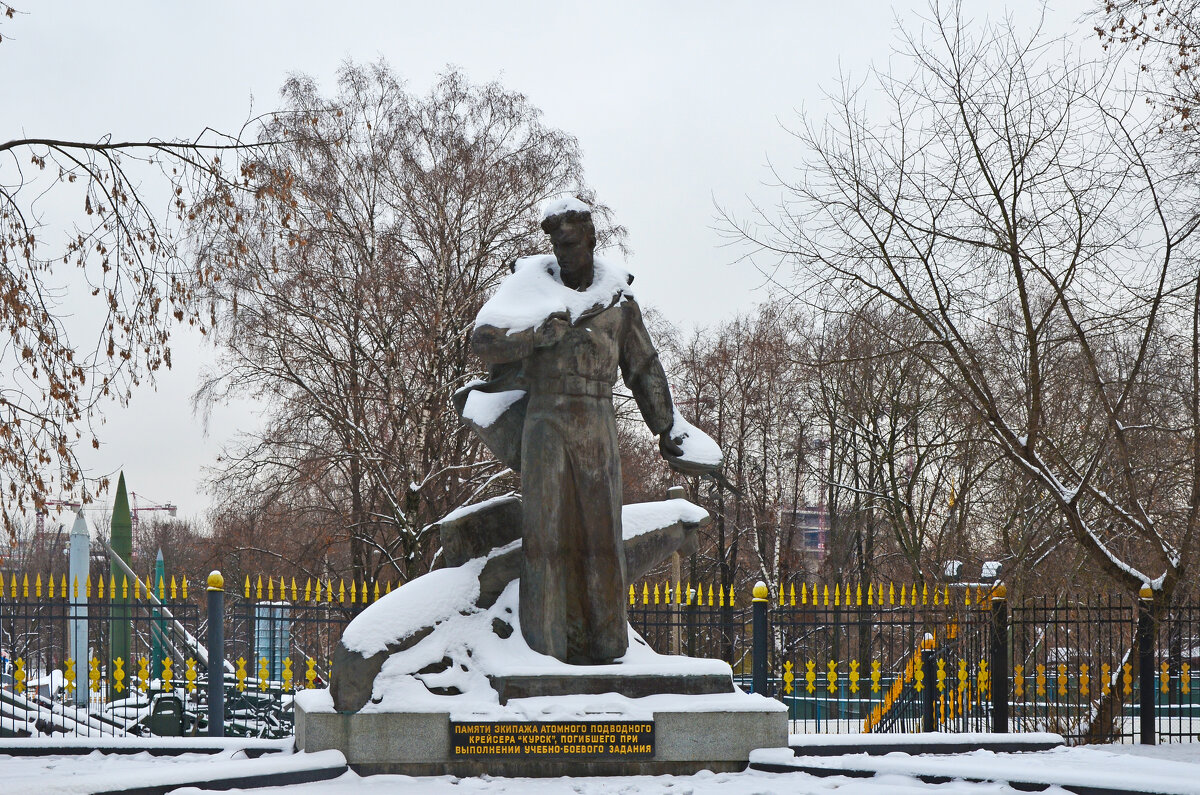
column 447, row 647
column 455, row 630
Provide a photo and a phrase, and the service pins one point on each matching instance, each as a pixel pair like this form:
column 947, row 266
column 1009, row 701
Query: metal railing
column 117, row 657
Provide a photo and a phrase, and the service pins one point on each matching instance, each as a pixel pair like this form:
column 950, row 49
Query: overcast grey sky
column 677, row 107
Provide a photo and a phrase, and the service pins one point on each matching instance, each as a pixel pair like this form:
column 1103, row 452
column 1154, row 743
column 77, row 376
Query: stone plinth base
column 630, row 686
column 686, row 741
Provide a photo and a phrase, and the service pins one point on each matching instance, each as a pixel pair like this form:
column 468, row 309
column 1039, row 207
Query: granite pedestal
column 687, row 740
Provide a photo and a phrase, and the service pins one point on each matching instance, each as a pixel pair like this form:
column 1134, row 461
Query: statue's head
column 569, row 224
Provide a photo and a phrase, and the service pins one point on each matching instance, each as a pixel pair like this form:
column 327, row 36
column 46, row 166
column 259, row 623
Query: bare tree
column 1011, row 201
column 80, row 220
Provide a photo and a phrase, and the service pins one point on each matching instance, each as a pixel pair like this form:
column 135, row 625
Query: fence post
column 216, row 655
column 1145, row 651
column 693, row 603
column 759, row 653
column 999, row 659
column 928, row 665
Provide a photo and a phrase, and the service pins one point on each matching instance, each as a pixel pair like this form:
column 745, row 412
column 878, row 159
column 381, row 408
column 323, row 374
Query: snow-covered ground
column 1175, row 767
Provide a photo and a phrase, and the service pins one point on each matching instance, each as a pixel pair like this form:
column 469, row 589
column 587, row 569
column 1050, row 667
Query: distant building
column 810, row 534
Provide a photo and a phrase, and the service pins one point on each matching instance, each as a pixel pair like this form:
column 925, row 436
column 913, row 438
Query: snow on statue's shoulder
column 534, row 291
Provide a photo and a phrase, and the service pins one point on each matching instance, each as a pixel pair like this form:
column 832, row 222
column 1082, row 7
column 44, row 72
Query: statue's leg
column 600, row 513
column 543, row 597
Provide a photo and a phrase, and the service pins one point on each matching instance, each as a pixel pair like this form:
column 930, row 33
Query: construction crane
column 135, row 509
column 41, row 515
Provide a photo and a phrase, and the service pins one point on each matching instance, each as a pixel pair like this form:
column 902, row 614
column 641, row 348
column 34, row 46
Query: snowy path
column 1145, row 767
column 1165, row 769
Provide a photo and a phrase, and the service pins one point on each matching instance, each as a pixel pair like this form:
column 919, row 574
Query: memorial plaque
column 572, row 739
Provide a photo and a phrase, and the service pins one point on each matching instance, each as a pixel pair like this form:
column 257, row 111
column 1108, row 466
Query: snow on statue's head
column 562, row 208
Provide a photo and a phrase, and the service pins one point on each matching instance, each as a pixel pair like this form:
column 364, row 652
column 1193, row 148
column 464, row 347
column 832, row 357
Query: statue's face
column 573, row 242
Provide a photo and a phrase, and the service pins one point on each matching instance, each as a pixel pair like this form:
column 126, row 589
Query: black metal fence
column 122, row 659
column 93, row 661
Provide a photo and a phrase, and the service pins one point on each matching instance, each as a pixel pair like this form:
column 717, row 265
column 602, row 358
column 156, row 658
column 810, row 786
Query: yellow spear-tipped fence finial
column 678, row 593
column 100, row 587
column 792, row 594
column 308, row 589
column 247, row 586
column 731, row 596
column 376, row 593
column 341, row 591
column 710, row 596
column 656, row 595
column 25, row 586
column 645, row 593
column 891, row 593
column 632, row 596
column 803, row 593
column 270, row 588
column 858, row 595
column 720, row 595
column 837, row 595
column 353, row 591
column 162, row 588
column 258, row 588
column 826, row 590
column 183, row 585
column 782, row 596
column 50, row 583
